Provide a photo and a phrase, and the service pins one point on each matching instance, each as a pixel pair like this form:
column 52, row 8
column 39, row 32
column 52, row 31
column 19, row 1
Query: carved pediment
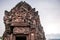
column 22, row 13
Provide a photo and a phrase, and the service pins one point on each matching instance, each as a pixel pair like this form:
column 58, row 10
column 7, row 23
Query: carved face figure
column 19, row 16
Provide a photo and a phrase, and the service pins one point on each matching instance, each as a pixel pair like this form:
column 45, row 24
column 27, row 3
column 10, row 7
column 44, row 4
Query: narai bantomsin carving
column 23, row 23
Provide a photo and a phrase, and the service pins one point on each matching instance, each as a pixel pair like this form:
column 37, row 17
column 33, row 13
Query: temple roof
column 23, row 4
column 22, row 13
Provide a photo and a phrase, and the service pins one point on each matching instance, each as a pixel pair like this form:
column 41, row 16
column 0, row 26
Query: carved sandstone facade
column 23, row 23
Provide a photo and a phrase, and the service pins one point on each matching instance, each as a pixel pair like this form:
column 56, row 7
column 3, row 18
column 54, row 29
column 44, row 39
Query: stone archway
column 21, row 38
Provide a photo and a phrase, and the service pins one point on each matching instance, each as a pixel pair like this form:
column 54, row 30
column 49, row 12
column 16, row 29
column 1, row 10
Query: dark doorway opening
column 21, row 38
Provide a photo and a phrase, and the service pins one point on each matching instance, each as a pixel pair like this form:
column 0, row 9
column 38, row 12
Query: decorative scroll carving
column 18, row 30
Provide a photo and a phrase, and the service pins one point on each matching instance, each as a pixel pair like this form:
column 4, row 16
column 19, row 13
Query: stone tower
column 23, row 23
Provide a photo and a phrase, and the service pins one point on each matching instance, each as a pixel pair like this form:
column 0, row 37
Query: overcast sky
column 49, row 11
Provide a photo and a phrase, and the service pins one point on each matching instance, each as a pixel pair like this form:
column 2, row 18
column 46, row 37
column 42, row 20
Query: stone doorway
column 21, row 37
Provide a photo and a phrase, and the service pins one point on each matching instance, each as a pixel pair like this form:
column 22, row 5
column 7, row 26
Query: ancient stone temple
column 23, row 23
